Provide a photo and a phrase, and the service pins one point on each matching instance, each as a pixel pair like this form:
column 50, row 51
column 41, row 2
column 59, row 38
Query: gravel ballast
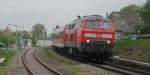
column 68, row 66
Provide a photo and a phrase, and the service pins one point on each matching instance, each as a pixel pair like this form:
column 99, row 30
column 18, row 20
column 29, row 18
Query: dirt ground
column 139, row 53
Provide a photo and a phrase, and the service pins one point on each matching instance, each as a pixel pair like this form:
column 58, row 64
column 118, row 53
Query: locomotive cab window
column 98, row 24
column 91, row 24
column 104, row 24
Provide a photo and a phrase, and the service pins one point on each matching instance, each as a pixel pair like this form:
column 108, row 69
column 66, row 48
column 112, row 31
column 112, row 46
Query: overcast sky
column 26, row 13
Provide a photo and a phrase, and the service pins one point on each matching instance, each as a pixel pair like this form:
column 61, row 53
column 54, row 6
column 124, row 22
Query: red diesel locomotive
column 90, row 37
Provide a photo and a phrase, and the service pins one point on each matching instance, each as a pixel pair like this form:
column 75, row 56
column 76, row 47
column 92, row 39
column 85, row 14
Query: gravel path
column 83, row 69
column 35, row 66
column 16, row 67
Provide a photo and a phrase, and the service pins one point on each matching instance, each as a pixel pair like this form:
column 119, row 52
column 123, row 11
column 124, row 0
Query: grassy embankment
column 138, row 50
column 66, row 63
column 8, row 54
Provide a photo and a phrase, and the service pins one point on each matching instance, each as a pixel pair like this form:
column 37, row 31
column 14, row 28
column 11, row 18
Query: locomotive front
column 97, row 37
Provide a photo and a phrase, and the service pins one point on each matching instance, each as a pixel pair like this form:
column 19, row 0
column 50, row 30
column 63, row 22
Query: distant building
column 7, row 29
column 124, row 21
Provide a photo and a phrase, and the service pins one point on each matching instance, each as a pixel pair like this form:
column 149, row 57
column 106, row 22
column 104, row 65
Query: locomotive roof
column 89, row 17
column 92, row 17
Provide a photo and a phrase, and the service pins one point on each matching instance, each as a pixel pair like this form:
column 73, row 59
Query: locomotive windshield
column 98, row 24
column 104, row 24
column 91, row 24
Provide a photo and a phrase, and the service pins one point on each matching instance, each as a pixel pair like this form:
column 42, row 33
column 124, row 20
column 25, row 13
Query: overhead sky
column 26, row 13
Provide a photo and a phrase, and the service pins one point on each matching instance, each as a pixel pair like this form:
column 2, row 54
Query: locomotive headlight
column 87, row 41
column 108, row 42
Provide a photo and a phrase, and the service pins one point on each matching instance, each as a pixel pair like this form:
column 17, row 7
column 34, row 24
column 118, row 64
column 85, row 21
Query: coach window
column 69, row 26
column 80, row 23
column 73, row 25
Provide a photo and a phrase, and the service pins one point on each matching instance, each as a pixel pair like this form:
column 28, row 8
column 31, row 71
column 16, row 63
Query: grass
column 66, row 63
column 138, row 50
column 130, row 43
column 8, row 54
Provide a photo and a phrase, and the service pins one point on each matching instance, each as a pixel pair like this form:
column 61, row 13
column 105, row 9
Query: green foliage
column 131, row 8
column 37, row 32
column 145, row 12
column 144, row 29
column 24, row 34
column 8, row 55
column 7, row 37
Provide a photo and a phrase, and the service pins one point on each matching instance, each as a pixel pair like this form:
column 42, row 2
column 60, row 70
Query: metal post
column 138, row 33
column 45, row 37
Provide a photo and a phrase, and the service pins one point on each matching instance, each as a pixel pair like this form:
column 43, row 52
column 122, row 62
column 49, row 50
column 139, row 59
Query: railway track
column 133, row 66
column 35, row 66
column 126, row 67
column 25, row 64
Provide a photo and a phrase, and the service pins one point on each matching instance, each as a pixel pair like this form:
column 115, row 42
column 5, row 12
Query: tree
column 7, row 37
column 24, row 34
column 145, row 15
column 131, row 8
column 37, row 32
column 145, row 12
